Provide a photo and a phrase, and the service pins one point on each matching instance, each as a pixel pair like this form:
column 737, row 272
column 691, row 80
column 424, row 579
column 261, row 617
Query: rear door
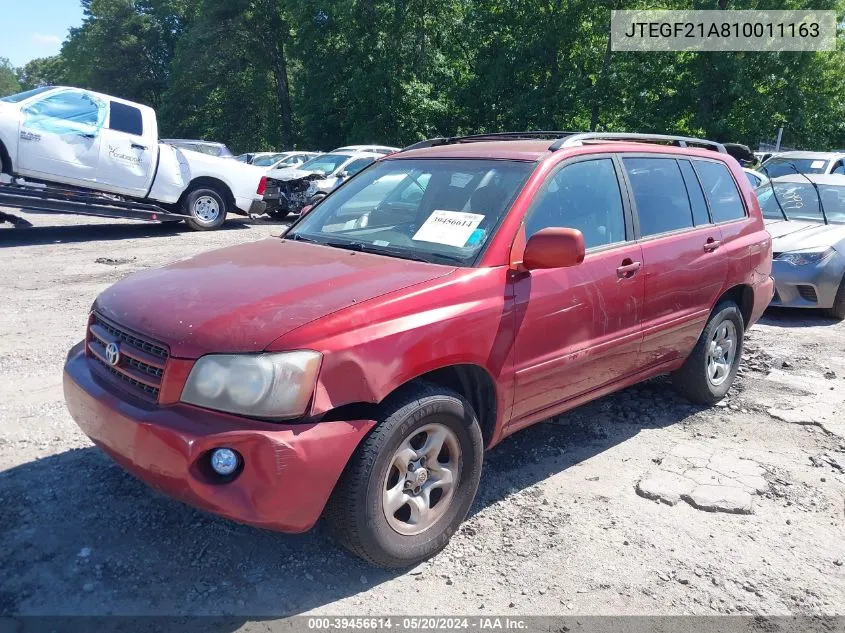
column 684, row 270
column 127, row 156
column 60, row 137
column 578, row 328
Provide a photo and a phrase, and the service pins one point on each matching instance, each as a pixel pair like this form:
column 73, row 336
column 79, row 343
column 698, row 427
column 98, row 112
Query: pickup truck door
column 128, row 152
column 59, row 137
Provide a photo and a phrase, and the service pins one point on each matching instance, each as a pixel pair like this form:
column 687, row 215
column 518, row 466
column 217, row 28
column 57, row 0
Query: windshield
column 266, row 161
column 325, row 164
column 440, row 211
column 17, row 98
column 799, row 201
column 782, row 166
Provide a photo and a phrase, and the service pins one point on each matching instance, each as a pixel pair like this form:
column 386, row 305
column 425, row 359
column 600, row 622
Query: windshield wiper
column 298, row 237
column 815, row 186
column 389, row 252
column 774, row 193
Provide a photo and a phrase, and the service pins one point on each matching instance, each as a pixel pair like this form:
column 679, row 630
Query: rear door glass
column 700, row 214
column 720, row 189
column 660, row 194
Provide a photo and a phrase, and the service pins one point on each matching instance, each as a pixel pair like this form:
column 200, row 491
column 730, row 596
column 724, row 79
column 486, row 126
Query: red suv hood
column 242, row 298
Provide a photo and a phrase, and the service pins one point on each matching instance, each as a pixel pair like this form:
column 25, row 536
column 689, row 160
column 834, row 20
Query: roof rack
column 572, row 140
column 493, row 136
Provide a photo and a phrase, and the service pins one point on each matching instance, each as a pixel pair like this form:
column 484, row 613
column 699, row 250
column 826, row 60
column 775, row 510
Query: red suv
column 442, row 299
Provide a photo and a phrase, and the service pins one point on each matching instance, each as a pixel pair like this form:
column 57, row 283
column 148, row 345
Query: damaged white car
column 67, row 150
column 289, row 190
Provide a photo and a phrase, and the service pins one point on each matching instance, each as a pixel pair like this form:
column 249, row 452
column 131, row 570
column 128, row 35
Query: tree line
column 315, row 74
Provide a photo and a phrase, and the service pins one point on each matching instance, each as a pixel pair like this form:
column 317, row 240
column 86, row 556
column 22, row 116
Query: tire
column 415, row 418
column 838, row 309
column 694, row 379
column 279, row 214
column 205, row 207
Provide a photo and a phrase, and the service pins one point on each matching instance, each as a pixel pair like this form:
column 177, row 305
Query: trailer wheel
column 205, row 207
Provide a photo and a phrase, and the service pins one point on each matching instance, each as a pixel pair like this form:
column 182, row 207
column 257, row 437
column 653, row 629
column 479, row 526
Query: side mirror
column 554, row 247
column 306, row 209
column 343, row 174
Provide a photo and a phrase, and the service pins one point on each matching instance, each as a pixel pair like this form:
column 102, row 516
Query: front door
column 128, row 154
column 60, row 137
column 578, row 328
column 684, row 273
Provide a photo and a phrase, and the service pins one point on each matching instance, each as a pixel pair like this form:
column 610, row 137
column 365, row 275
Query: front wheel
column 206, row 209
column 411, row 481
column 709, row 372
column 837, row 311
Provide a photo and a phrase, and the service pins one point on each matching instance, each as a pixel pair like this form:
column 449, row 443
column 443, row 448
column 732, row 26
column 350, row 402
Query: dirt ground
column 562, row 523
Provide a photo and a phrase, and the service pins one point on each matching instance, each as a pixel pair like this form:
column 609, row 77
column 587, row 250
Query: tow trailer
column 43, row 199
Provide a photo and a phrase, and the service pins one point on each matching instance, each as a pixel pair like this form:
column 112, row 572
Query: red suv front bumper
column 288, row 472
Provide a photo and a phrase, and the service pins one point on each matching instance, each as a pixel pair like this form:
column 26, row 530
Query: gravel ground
column 593, row 512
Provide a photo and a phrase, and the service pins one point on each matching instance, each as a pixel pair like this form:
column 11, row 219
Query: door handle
column 628, row 269
column 711, row 245
column 137, row 146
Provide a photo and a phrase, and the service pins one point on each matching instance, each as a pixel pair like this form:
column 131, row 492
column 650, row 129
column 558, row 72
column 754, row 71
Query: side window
column 125, row 118
column 583, row 196
column 74, row 108
column 838, row 168
column 663, row 204
column 721, row 191
column 700, row 215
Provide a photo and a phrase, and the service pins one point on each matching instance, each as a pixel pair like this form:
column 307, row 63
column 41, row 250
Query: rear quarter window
column 125, row 118
column 721, row 191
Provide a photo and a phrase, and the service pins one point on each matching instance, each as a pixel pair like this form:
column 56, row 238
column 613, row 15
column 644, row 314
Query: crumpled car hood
column 796, row 235
column 242, row 298
column 284, row 175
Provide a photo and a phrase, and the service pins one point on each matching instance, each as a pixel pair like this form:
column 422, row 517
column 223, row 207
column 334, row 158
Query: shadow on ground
column 796, row 317
column 82, row 537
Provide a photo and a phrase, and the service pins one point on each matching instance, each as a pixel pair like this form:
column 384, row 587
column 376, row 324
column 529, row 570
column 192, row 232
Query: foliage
column 8, row 79
column 262, row 74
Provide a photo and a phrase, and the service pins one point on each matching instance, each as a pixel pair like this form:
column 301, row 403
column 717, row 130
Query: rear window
column 660, row 193
column 782, row 166
column 125, row 118
column 721, row 191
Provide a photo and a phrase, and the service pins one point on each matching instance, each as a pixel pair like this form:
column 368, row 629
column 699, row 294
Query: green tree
column 8, row 79
column 44, row 71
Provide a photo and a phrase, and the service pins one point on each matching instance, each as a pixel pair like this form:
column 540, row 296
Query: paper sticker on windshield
column 817, row 164
column 452, row 228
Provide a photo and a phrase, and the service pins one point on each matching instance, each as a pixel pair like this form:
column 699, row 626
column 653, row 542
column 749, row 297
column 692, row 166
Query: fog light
column 224, row 461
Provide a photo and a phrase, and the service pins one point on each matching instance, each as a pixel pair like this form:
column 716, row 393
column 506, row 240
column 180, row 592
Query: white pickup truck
column 106, row 154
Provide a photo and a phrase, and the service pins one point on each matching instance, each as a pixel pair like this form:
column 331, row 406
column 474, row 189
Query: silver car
column 805, row 215
column 804, row 162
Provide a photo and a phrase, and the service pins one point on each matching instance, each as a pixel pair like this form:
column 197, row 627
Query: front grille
column 140, row 364
column 808, row 293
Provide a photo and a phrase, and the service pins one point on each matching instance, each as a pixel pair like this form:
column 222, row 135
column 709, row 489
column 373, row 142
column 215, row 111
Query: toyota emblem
column 113, row 354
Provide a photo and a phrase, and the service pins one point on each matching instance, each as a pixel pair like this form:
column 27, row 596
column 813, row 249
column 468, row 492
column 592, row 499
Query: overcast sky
column 35, row 28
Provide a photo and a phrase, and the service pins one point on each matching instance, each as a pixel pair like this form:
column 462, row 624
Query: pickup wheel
column 411, row 481
column 205, row 207
column 710, row 370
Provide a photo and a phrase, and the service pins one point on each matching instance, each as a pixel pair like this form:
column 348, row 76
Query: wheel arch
column 214, row 183
column 471, row 381
column 743, row 296
column 5, row 160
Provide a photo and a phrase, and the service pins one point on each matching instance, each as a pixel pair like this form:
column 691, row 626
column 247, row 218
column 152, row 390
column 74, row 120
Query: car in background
column 762, row 157
column 204, row 147
column 805, row 163
column 290, row 159
column 805, row 215
column 755, row 177
column 376, row 149
column 289, row 190
column 250, row 157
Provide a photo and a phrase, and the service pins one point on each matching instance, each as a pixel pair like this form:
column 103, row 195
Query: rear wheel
column 838, row 309
column 206, row 209
column 709, row 372
column 412, row 480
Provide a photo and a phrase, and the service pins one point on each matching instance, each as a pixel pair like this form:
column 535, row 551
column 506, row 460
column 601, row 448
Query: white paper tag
column 817, row 164
column 452, row 228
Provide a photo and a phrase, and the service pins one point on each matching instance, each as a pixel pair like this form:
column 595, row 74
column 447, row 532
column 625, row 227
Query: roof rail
column 573, row 140
column 492, row 136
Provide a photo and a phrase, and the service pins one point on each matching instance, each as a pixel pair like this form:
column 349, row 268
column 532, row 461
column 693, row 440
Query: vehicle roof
column 818, row 155
column 819, row 179
column 536, row 150
column 362, row 148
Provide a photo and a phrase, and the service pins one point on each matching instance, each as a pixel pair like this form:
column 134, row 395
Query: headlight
column 261, row 385
column 804, row 259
